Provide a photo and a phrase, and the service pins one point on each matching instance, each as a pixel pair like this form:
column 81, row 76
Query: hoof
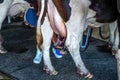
column 54, row 72
column 88, row 75
column 113, row 52
column 2, row 50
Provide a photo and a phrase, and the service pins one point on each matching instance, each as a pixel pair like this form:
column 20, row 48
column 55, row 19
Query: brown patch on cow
column 39, row 38
column 1, row 1
column 63, row 8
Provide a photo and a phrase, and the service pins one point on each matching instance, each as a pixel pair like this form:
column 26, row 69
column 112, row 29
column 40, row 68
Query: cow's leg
column 74, row 36
column 114, row 37
column 3, row 12
column 112, row 27
column 116, row 42
column 118, row 63
column 73, row 48
column 118, row 52
column 47, row 36
column 2, row 17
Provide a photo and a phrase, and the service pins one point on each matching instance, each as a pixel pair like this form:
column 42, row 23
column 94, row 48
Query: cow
column 82, row 14
column 108, row 11
column 112, row 14
column 72, row 27
column 105, row 15
column 10, row 8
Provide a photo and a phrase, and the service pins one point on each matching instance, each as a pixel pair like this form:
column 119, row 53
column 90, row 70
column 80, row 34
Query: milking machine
column 85, row 40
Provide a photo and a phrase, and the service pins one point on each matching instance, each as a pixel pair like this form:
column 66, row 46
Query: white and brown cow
column 10, row 8
column 71, row 27
column 81, row 15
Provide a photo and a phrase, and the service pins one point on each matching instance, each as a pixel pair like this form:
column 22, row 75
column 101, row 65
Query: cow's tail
column 39, row 37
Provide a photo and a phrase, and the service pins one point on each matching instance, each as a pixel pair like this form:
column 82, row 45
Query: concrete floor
column 17, row 63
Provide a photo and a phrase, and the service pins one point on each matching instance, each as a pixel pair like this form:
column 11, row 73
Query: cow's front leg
column 47, row 36
column 3, row 14
column 2, row 49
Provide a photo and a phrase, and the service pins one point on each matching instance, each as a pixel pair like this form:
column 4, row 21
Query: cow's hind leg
column 117, row 55
column 75, row 53
column 114, row 37
column 47, row 36
column 74, row 36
